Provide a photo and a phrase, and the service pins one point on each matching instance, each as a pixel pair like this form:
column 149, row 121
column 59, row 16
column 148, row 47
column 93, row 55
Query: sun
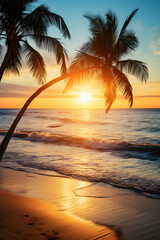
column 84, row 97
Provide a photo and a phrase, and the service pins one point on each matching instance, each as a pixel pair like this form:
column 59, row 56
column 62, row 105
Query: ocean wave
column 69, row 120
column 32, row 112
column 149, row 129
column 55, row 126
column 149, row 188
column 129, row 150
column 8, row 113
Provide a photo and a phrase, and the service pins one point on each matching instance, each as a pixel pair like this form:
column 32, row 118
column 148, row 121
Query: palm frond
column 52, row 45
column 97, row 24
column 69, row 85
column 35, row 63
column 134, row 67
column 79, row 76
column 18, row 8
column 110, row 94
column 1, row 49
column 87, row 47
column 104, row 34
column 12, row 10
column 123, row 84
column 98, row 31
column 27, row 4
column 126, row 41
column 100, row 47
column 83, row 67
column 34, row 22
column 84, row 60
column 110, row 87
column 14, row 59
column 125, row 44
column 39, row 19
column 58, row 21
column 111, row 26
column 127, row 21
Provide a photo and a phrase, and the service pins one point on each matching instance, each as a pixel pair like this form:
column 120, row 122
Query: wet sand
column 42, row 207
column 28, row 218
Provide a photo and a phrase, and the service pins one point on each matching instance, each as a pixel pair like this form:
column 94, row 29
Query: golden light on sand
column 85, row 97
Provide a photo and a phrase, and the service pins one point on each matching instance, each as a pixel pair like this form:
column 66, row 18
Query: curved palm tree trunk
column 8, row 136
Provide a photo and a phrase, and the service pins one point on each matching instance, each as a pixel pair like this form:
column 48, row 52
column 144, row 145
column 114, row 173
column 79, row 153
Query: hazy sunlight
column 85, row 97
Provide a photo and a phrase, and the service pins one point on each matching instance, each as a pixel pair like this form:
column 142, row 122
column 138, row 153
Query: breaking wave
column 127, row 149
column 149, row 188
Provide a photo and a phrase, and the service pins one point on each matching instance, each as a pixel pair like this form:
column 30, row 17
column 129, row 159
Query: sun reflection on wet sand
column 120, row 209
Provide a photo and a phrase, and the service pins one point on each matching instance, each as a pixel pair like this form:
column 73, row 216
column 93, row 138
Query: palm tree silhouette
column 17, row 25
column 102, row 56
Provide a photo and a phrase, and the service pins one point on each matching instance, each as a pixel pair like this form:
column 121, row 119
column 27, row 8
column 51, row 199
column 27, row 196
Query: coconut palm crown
column 102, row 56
column 18, row 25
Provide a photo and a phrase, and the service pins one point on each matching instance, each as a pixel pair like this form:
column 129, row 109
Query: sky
column 14, row 90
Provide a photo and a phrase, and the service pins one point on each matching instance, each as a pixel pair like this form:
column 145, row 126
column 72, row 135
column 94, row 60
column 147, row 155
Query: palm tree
column 101, row 57
column 17, row 25
column 103, row 53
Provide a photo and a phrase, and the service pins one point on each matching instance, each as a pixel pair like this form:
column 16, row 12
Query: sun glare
column 84, row 97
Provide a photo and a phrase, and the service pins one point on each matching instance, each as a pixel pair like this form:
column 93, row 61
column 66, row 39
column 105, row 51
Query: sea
column 120, row 148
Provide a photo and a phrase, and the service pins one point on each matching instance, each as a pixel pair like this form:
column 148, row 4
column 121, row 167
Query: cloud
column 138, row 25
column 157, row 52
column 8, row 90
column 154, row 82
column 142, row 96
column 148, row 96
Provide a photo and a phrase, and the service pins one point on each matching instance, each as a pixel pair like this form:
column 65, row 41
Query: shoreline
column 29, row 218
column 121, row 213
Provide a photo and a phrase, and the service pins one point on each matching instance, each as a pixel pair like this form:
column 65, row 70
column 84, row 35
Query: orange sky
column 146, row 102
column 14, row 96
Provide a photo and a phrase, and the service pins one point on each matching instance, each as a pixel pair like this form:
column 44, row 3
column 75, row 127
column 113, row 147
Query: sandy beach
column 42, row 207
column 30, row 218
column 27, row 218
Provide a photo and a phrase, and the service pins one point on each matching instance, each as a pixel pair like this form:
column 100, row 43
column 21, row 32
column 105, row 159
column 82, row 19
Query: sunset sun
column 84, row 97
